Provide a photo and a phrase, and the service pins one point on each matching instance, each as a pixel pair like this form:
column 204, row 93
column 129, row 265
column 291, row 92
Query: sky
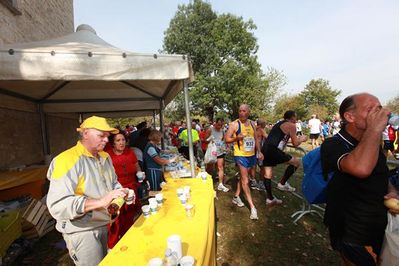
column 352, row 44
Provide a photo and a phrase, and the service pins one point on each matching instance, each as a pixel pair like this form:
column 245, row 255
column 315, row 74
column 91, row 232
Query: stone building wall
column 38, row 20
column 20, row 132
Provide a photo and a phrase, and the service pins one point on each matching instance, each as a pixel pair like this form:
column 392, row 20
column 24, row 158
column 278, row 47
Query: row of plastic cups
column 152, row 206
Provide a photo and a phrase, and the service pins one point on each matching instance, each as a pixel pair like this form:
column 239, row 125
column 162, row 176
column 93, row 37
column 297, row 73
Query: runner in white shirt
column 314, row 125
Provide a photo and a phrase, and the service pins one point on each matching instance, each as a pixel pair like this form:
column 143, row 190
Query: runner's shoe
column 222, row 187
column 253, row 184
column 274, row 201
column 261, row 186
column 237, row 201
column 254, row 214
column 285, row 187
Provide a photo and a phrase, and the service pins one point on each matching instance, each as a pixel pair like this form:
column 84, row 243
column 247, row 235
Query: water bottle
column 114, row 207
column 393, row 119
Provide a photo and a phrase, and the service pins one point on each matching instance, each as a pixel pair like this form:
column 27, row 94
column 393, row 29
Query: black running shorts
column 274, row 156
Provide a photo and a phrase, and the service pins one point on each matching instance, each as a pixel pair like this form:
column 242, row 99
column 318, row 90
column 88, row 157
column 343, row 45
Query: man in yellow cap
column 82, row 185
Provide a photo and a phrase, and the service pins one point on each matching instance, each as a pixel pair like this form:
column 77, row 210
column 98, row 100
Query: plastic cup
column 146, row 211
column 397, row 155
column 140, row 176
column 186, row 190
column 155, row 262
column 204, row 175
column 153, row 208
column 179, row 192
column 153, row 205
column 159, row 198
column 183, row 199
column 174, row 243
column 190, row 210
column 186, row 261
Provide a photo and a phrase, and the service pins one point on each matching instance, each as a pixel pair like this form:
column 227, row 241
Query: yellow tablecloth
column 147, row 238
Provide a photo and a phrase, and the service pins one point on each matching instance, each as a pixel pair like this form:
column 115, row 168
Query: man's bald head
column 243, row 112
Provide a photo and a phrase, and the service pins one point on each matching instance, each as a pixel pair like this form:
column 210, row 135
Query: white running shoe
column 274, row 201
column 254, row 214
column 237, row 201
column 222, row 187
column 285, row 187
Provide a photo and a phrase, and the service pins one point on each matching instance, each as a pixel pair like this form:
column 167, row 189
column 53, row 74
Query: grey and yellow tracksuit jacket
column 76, row 175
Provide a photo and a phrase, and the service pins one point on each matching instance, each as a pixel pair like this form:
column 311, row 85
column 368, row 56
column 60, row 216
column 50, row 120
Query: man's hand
column 377, row 118
column 240, row 137
column 392, row 195
column 117, row 193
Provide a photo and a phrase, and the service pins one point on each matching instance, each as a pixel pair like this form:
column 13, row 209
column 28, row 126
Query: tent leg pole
column 43, row 126
column 153, row 119
column 161, row 123
column 190, row 137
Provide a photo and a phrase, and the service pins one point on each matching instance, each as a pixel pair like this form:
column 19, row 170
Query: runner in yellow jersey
column 241, row 132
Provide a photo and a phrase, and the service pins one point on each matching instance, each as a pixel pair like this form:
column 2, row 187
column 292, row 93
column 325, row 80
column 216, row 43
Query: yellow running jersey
column 245, row 147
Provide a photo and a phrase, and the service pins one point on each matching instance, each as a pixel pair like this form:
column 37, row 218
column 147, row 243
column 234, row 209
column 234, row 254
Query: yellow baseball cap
column 98, row 123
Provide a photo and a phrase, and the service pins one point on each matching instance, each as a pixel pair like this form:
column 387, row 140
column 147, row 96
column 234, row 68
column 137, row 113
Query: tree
column 319, row 96
column 393, row 104
column 288, row 102
column 223, row 49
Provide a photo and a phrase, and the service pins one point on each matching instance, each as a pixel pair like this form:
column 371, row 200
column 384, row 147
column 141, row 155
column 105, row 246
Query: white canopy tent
column 81, row 73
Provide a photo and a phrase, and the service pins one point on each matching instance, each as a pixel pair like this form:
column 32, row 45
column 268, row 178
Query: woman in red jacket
column 126, row 167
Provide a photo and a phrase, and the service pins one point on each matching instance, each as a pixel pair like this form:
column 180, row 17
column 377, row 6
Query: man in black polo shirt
column 355, row 213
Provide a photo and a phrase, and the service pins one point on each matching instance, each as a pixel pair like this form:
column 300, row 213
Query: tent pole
column 43, row 126
column 153, row 119
column 190, row 137
column 162, row 105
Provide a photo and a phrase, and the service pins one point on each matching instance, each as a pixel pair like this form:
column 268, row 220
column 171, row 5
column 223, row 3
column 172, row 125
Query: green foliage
column 122, row 122
column 393, row 104
column 223, row 50
column 288, row 102
column 318, row 97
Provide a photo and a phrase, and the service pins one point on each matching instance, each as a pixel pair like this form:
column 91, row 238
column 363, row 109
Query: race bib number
column 249, row 143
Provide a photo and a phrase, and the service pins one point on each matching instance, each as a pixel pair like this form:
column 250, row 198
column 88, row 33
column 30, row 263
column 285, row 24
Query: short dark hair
column 111, row 137
column 347, row 104
column 219, row 119
column 289, row 114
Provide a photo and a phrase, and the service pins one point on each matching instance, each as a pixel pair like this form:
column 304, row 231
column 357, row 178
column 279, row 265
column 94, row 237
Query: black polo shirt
column 355, row 211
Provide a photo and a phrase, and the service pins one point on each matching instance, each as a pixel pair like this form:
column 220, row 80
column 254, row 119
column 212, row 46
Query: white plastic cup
column 179, row 192
column 183, row 199
column 204, row 175
column 159, row 198
column 174, row 243
column 190, row 210
column 140, row 176
column 153, row 205
column 186, row 261
column 186, row 190
column 146, row 211
column 155, row 262
column 153, row 208
column 152, row 200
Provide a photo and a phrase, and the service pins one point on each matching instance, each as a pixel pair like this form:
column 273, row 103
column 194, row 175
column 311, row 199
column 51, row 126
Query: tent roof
column 81, row 73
